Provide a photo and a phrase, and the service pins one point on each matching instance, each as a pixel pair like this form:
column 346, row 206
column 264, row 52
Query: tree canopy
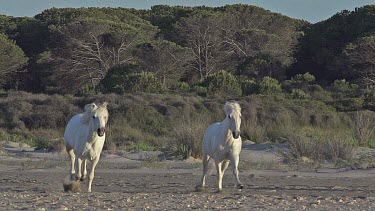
column 68, row 50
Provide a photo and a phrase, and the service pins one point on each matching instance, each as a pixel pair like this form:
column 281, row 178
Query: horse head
column 233, row 112
column 98, row 115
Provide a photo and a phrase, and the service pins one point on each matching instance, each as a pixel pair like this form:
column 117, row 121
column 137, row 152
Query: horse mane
column 229, row 106
column 89, row 108
column 103, row 106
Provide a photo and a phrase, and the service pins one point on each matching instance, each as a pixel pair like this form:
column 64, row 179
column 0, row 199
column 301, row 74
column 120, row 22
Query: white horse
column 84, row 137
column 222, row 142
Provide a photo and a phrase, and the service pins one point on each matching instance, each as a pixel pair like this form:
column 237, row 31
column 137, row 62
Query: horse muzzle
column 101, row 131
column 236, row 134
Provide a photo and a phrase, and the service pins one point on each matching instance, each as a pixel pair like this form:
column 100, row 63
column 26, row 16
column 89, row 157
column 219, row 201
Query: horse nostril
column 236, row 134
column 101, row 130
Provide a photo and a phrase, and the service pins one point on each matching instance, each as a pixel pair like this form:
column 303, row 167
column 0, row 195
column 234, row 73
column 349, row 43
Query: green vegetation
column 167, row 72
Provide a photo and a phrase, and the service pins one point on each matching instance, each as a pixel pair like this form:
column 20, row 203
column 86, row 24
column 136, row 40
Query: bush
column 187, row 137
column 269, row 85
column 181, row 87
column 299, row 94
column 303, row 78
column 333, row 148
column 364, row 129
column 42, row 143
column 344, row 89
column 144, row 82
column 117, row 78
column 35, row 111
column 224, row 84
column 250, row 130
column 200, row 90
column 248, row 86
column 125, row 78
column 344, row 86
column 147, row 119
column 348, row 104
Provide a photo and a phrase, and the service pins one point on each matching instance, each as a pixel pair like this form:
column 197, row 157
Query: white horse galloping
column 222, row 142
column 84, row 139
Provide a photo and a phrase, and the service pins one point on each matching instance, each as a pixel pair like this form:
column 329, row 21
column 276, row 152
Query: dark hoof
column 218, row 191
column 83, row 178
column 67, row 187
column 198, row 188
column 240, row 186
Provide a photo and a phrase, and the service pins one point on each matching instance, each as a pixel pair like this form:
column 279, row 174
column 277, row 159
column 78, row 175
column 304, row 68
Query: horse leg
column 219, row 175
column 91, row 174
column 84, row 170
column 78, row 169
column 236, row 160
column 225, row 165
column 202, row 183
column 72, row 160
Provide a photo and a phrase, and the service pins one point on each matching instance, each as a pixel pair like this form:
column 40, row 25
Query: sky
column 310, row 10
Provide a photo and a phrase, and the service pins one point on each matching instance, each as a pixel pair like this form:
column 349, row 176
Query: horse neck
column 225, row 129
column 90, row 132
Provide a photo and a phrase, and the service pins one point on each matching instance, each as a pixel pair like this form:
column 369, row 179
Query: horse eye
column 93, row 117
column 229, row 116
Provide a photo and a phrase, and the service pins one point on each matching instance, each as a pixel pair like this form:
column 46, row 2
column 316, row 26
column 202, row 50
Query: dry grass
column 363, row 128
column 332, row 148
column 172, row 122
column 187, row 137
column 2, row 149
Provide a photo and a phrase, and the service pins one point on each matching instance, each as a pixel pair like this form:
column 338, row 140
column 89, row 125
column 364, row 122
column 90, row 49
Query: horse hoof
column 82, row 178
column 199, row 188
column 218, row 191
column 240, row 186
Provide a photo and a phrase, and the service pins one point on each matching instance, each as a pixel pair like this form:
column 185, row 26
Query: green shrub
column 223, row 83
column 141, row 146
column 344, row 86
column 3, row 93
column 299, row 94
column 144, row 82
column 147, row 119
column 125, row 78
column 348, row 104
column 181, row 87
column 303, row 78
column 315, row 88
column 269, row 85
column 44, row 143
column 248, row 86
column 12, row 137
column 344, row 89
column 116, row 80
column 200, row 90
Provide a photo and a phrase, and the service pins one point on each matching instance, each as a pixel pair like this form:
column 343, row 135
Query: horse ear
column 90, row 107
column 105, row 104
